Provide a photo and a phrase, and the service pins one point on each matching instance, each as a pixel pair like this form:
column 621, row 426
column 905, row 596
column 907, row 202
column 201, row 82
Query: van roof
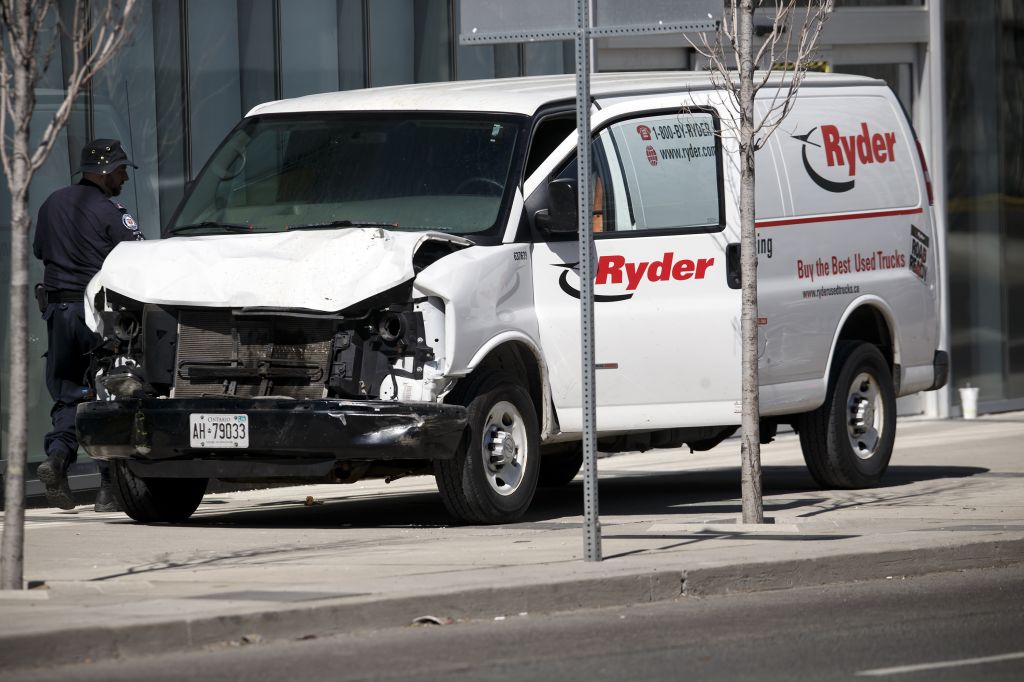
column 513, row 95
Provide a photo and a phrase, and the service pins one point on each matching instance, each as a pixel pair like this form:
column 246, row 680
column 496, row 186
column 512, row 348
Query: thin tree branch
column 5, row 106
column 110, row 39
column 784, row 96
column 54, row 41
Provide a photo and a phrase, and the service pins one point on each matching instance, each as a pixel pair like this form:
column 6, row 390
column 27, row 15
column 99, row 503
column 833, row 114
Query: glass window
column 215, row 93
column 667, row 168
column 549, row 58
column 392, row 39
column 169, row 126
column 351, row 44
column 277, row 173
column 309, row 48
column 985, row 187
column 124, row 107
column 259, row 46
column 433, row 41
column 487, row 61
column 900, row 78
column 655, row 173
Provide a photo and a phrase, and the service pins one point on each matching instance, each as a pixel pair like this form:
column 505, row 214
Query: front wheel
column 152, row 500
column 493, row 477
column 848, row 441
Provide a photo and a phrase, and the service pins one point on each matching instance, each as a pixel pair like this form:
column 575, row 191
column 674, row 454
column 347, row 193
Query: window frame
column 544, row 236
column 489, row 236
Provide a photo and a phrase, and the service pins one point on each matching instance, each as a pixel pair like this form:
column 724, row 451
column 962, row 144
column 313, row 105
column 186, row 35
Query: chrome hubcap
column 865, row 415
column 504, row 448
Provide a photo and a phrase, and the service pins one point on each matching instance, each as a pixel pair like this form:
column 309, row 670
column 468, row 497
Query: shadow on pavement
column 687, row 496
column 677, row 497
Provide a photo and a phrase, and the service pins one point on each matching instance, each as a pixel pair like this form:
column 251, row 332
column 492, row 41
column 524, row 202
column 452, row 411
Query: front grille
column 220, row 354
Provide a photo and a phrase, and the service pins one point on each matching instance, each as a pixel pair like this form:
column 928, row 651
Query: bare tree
column 30, row 31
column 786, row 46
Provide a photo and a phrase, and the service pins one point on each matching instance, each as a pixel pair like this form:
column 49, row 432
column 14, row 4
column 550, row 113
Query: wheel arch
column 871, row 320
column 517, row 354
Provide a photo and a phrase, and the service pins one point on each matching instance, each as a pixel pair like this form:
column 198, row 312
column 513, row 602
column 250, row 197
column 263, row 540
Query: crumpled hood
column 320, row 270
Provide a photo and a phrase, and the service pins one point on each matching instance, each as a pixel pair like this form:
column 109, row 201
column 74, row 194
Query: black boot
column 105, row 500
column 54, row 475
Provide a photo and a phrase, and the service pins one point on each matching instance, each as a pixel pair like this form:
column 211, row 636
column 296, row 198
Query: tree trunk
column 13, row 547
column 24, row 21
column 750, row 448
column 12, row 551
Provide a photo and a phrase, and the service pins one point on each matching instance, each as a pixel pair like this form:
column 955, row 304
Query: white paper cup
column 969, row 402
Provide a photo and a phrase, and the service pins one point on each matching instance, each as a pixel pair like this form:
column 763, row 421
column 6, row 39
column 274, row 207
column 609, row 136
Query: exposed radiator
column 223, row 355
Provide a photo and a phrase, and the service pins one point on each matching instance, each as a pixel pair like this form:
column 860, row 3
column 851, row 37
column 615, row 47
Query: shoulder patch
column 129, row 222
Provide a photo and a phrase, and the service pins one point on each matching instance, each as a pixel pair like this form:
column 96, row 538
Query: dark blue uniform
column 77, row 227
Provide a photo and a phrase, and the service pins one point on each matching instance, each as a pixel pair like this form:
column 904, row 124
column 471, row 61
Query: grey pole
column 493, row 22
column 591, row 519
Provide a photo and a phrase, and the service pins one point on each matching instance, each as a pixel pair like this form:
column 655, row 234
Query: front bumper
column 155, row 430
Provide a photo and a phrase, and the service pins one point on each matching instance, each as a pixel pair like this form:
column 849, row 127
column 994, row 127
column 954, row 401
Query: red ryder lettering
column 610, row 269
column 849, row 149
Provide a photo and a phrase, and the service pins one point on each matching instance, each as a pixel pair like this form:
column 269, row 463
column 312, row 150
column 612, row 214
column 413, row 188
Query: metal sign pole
column 591, row 520
column 495, row 21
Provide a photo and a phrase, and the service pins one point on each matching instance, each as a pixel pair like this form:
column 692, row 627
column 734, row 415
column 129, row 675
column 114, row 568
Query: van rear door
column 666, row 320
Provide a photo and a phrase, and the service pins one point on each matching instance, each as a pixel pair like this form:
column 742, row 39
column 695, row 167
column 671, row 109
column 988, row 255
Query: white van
column 384, row 283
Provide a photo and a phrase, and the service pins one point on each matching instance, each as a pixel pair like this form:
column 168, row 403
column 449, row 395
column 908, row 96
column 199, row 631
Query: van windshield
column 278, row 173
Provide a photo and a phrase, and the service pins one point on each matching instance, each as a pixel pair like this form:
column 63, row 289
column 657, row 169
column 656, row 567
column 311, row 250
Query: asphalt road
column 952, row 626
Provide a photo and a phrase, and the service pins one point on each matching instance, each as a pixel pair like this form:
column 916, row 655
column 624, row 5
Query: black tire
column 482, row 484
column 152, row 500
column 559, row 468
column 848, row 441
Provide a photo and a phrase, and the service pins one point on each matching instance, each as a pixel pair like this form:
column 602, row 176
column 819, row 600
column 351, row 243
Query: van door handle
column 732, row 265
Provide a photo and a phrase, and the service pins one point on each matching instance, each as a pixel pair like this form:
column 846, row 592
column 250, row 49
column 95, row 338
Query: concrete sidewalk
column 292, row 562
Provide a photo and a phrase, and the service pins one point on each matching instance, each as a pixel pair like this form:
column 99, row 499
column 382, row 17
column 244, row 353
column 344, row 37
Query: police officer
column 77, row 227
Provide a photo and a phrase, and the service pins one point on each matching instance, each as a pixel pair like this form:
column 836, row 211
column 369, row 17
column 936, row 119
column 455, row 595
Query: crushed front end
column 246, row 393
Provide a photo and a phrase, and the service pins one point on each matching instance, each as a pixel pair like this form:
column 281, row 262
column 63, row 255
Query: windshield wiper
column 340, row 223
column 228, row 227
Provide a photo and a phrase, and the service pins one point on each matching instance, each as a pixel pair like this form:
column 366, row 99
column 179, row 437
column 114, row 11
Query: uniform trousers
column 69, row 342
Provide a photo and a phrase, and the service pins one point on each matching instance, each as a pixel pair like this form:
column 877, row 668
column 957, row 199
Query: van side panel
column 842, row 219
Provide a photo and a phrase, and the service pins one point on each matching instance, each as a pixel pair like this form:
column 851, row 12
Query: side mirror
column 562, row 211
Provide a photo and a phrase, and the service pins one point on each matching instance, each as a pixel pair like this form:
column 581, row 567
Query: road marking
column 900, row 669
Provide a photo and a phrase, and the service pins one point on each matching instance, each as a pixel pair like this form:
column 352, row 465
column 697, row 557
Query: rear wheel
column 848, row 441
column 493, row 477
column 155, row 499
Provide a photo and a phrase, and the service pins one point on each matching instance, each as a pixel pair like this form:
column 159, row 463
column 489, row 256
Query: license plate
column 218, row 430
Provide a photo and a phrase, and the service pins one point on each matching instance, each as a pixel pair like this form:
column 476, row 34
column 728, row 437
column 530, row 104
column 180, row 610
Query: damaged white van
column 383, row 283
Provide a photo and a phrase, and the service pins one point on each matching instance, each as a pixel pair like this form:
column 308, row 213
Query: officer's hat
column 104, row 156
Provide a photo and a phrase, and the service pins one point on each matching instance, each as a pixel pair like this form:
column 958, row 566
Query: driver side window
column 602, row 201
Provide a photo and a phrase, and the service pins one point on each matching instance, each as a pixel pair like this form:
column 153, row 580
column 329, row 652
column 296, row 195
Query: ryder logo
column 851, row 151
column 617, row 270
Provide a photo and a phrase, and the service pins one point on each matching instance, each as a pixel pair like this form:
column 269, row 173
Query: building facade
column 195, row 67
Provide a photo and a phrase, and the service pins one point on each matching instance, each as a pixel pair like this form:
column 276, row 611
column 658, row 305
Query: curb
column 844, row 568
column 76, row 645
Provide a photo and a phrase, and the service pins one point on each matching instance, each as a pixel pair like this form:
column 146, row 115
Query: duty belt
column 65, row 296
